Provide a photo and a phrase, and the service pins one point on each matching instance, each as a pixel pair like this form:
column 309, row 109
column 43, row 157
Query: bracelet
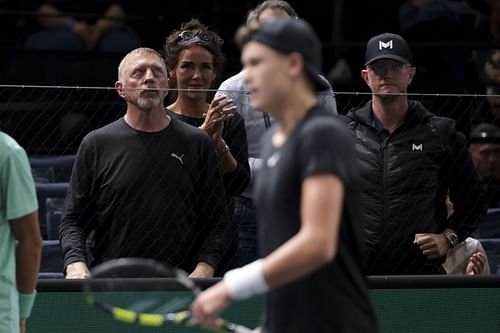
column 224, row 150
column 26, row 304
column 246, row 281
column 69, row 24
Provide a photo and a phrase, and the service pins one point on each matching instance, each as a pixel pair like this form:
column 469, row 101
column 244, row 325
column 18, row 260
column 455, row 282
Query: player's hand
column 22, row 325
column 77, row 270
column 475, row 264
column 432, row 245
column 209, row 304
column 202, row 270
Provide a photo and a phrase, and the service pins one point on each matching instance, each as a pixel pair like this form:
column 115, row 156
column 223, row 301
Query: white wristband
column 246, row 281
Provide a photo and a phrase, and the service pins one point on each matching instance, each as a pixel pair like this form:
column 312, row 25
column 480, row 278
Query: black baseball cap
column 288, row 34
column 387, row 46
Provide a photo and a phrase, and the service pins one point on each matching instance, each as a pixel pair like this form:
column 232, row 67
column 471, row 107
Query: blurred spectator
column 445, row 69
column 83, row 25
column 493, row 33
column 485, row 151
column 492, row 76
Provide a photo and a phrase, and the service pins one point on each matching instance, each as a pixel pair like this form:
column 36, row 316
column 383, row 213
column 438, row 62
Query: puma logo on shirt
column 174, row 155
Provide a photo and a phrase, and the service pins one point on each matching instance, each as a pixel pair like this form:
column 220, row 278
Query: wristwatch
column 451, row 237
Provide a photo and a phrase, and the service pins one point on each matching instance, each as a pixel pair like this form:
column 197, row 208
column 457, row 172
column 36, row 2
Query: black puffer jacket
column 405, row 180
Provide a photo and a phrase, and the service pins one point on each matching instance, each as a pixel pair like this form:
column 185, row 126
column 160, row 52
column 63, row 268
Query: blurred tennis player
column 306, row 194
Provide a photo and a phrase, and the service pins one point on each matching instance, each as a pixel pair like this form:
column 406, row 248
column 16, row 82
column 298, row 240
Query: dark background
column 343, row 26
column 34, row 116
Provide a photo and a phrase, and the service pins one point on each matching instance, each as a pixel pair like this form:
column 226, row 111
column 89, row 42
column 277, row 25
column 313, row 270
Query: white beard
column 147, row 103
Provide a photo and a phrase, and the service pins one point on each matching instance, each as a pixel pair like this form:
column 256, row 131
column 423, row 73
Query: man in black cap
column 310, row 232
column 410, row 159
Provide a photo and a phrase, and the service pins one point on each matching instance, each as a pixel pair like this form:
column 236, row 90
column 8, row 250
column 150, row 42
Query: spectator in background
column 257, row 122
column 62, row 29
column 485, row 150
column 194, row 59
column 492, row 75
column 444, row 68
column 19, row 264
column 410, row 159
column 147, row 184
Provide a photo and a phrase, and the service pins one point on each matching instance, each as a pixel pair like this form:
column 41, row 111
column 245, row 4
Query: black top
column 235, row 136
column 406, row 177
column 156, row 195
column 334, row 298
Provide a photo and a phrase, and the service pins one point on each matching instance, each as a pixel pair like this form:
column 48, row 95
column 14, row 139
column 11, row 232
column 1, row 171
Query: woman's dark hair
column 193, row 33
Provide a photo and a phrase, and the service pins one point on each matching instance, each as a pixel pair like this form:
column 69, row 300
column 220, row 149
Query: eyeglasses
column 382, row 69
column 189, row 35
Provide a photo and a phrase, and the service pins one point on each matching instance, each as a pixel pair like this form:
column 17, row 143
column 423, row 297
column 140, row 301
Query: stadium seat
column 50, row 198
column 52, row 168
column 53, row 219
column 52, row 260
column 492, row 248
column 489, row 227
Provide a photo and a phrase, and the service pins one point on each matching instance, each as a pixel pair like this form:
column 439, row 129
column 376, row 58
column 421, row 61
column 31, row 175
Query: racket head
column 128, row 290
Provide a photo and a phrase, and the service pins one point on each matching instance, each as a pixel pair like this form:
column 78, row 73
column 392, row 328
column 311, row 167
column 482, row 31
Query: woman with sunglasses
column 194, row 59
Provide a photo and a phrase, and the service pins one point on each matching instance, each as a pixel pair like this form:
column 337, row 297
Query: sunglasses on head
column 189, row 35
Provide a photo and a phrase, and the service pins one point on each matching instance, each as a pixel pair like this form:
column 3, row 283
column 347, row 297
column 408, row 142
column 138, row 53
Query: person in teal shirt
column 19, row 264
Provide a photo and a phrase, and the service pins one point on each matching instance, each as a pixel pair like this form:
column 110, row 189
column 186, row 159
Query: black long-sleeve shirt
column 154, row 195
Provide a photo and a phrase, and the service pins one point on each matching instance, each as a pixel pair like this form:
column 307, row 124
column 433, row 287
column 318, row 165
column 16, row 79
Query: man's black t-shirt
column 155, row 195
column 334, row 298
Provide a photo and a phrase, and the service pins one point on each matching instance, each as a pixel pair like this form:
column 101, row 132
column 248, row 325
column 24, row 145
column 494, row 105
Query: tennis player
column 19, row 263
column 310, row 232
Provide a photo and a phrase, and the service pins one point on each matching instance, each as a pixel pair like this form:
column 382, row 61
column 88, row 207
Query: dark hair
column 174, row 44
column 253, row 15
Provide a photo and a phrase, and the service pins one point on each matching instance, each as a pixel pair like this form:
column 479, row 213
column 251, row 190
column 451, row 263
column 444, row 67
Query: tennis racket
column 127, row 289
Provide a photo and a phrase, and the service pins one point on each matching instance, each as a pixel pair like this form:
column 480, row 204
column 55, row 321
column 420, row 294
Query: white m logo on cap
column 415, row 147
column 382, row 45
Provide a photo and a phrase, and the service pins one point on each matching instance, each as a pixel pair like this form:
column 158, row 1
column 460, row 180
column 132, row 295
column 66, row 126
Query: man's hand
column 202, row 270
column 77, row 270
column 22, row 325
column 432, row 245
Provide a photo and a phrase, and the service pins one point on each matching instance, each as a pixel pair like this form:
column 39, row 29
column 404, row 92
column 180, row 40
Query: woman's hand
column 219, row 110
